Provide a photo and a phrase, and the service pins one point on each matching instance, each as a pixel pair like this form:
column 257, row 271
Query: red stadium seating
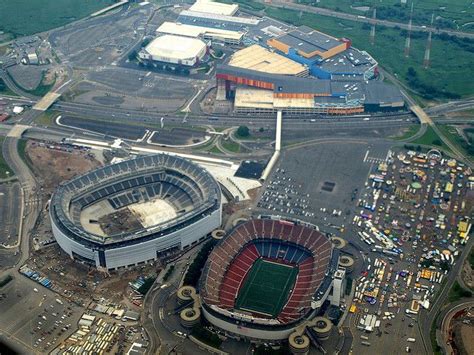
column 233, row 257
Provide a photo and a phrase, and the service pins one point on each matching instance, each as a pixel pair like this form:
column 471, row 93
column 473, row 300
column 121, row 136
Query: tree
column 146, row 42
column 132, row 55
column 261, row 129
column 243, row 131
column 411, row 72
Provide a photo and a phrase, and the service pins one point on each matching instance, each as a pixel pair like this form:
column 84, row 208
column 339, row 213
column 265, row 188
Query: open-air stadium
column 134, row 211
column 267, row 277
column 266, row 287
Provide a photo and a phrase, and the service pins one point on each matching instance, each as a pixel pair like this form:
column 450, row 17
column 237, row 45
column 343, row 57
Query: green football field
column 266, row 288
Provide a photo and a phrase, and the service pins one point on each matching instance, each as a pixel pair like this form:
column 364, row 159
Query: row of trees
column 194, row 271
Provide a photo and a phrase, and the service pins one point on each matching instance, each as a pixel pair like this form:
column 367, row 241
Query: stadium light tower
column 426, row 59
column 408, row 39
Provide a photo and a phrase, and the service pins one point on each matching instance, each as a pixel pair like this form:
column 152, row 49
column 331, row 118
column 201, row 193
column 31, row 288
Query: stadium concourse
column 269, row 276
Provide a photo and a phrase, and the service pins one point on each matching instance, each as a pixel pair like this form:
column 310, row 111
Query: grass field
column 446, row 77
column 266, row 288
column 408, row 133
column 231, row 146
column 453, row 134
column 452, row 13
column 5, row 90
column 26, row 17
column 430, row 138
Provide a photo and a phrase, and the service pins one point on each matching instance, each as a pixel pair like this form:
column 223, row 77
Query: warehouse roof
column 349, row 61
column 377, row 92
column 213, row 7
column 175, row 47
column 261, row 59
column 196, row 31
column 281, row 83
column 309, row 40
column 219, row 17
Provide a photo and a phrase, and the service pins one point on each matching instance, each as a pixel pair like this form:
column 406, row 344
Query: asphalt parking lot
column 178, row 136
column 314, row 181
column 10, row 210
column 101, row 40
column 119, row 130
column 35, row 318
column 144, row 84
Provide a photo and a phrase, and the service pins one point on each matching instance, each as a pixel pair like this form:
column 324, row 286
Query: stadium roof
column 175, row 47
column 213, row 7
column 308, row 40
column 196, row 31
column 261, row 59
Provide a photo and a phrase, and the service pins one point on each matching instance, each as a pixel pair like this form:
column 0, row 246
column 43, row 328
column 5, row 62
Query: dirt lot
column 53, row 166
column 83, row 282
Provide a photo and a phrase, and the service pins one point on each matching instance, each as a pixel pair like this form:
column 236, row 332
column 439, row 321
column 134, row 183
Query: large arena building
column 269, row 276
column 135, row 211
column 175, row 50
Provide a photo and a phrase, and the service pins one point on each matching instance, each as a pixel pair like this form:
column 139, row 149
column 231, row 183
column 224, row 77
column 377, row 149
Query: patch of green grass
column 47, row 118
column 5, row 171
column 5, row 90
column 430, row 138
column 408, row 133
column 455, row 12
column 457, row 292
column 453, row 135
column 26, row 17
column 446, row 77
column 215, row 150
column 231, row 146
column 41, row 90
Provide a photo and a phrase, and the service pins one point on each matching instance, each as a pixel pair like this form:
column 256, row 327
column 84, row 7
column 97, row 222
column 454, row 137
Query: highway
column 357, row 18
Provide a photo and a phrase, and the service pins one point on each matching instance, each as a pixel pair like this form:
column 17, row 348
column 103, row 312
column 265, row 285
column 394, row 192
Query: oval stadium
column 135, row 211
column 268, row 277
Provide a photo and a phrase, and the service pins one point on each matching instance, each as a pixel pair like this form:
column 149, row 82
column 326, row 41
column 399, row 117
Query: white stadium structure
column 175, row 50
column 135, row 211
